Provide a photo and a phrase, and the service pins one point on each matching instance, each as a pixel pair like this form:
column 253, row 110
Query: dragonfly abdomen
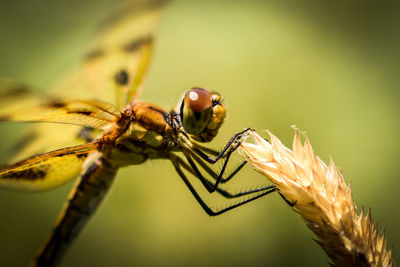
column 83, row 202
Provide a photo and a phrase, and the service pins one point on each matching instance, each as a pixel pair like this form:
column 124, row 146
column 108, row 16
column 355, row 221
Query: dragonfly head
column 202, row 114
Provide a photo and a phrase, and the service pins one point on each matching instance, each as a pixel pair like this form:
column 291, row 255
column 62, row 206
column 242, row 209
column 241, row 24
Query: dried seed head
column 322, row 199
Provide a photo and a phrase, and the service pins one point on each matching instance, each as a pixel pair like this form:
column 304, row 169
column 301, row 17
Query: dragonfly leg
column 227, row 194
column 210, row 187
column 229, row 148
column 232, row 174
column 213, row 174
column 218, row 177
column 226, row 153
column 291, row 203
column 206, row 149
column 178, row 162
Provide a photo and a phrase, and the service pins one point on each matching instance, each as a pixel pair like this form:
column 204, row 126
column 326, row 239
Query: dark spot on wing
column 135, row 44
column 82, row 156
column 73, row 153
column 122, row 78
column 14, row 90
column 20, row 89
column 55, row 104
column 24, row 141
column 86, row 133
column 35, row 173
column 94, row 54
column 5, row 118
column 86, row 113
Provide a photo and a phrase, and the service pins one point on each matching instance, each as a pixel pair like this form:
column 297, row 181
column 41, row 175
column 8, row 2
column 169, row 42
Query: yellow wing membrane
column 112, row 70
column 48, row 170
column 89, row 113
column 116, row 63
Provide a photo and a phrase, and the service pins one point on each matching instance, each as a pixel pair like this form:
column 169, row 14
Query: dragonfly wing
column 19, row 102
column 40, row 138
column 112, row 70
column 29, row 106
column 115, row 65
column 48, row 170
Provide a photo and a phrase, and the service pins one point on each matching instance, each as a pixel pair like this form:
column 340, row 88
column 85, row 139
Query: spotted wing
column 15, row 98
column 115, row 65
column 21, row 103
column 112, row 70
column 48, row 170
column 89, row 113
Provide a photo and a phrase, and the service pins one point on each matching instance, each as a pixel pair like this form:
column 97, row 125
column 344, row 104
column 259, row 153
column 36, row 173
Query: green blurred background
column 330, row 68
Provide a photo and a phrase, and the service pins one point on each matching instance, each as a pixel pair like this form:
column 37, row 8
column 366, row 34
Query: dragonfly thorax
column 202, row 114
column 146, row 134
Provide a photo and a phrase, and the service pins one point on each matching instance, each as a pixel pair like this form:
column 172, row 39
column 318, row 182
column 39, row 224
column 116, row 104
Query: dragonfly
column 111, row 128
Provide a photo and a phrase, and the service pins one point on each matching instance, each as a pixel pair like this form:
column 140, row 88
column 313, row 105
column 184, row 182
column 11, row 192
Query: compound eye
column 196, row 110
column 198, row 99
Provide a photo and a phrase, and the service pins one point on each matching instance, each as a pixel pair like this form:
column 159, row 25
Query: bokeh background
column 330, row 68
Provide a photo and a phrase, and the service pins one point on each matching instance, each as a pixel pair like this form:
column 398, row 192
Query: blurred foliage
column 330, row 68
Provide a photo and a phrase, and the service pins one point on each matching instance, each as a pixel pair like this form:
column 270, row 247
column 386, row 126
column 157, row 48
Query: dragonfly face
column 202, row 114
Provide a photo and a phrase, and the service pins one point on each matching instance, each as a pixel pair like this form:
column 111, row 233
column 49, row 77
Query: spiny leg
column 218, row 177
column 206, row 149
column 176, row 161
column 209, row 186
column 224, row 151
column 206, row 184
column 212, row 173
column 229, row 148
column 291, row 203
column 198, row 156
column 221, row 173
column 215, row 153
